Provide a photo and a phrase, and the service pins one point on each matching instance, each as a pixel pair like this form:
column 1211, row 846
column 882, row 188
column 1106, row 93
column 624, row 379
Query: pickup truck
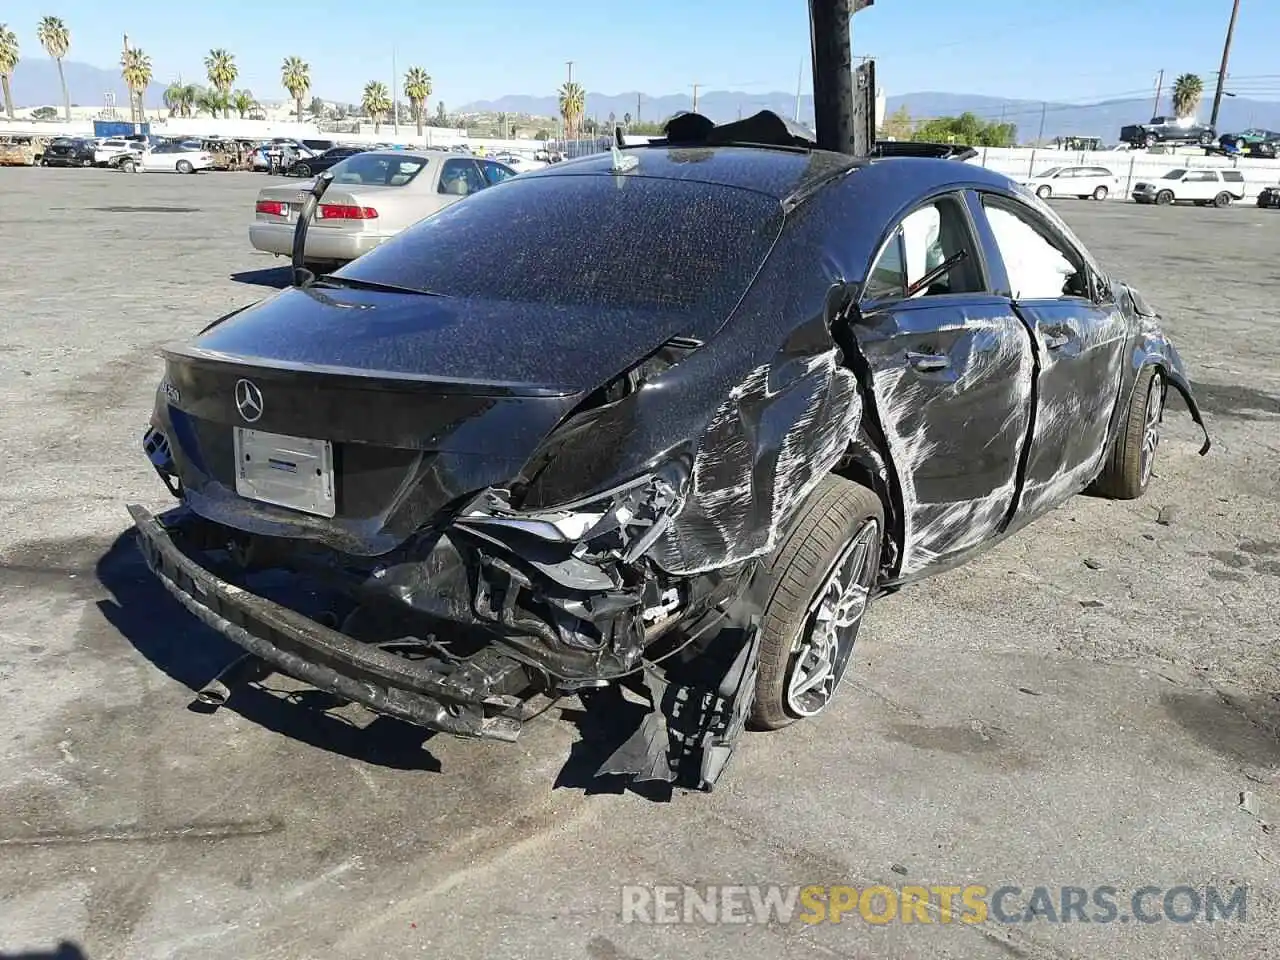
column 1201, row 187
column 1167, row 130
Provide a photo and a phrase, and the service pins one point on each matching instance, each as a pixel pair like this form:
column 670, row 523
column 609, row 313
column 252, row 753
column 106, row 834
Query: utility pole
column 395, row 96
column 695, row 96
column 1044, row 108
column 833, row 97
column 1155, row 109
column 1222, row 71
column 799, row 81
column 570, row 63
column 639, row 96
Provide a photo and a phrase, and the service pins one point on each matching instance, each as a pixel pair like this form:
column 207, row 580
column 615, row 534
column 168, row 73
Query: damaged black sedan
column 665, row 419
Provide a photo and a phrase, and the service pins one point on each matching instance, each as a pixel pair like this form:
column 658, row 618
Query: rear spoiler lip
column 911, row 148
column 359, row 376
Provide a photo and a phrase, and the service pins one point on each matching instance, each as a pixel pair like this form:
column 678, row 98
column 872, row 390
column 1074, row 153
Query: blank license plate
column 293, row 472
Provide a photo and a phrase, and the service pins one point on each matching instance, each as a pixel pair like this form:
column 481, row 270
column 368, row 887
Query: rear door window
column 1234, row 176
column 461, row 178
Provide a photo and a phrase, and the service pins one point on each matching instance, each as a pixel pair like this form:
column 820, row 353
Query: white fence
column 1131, row 166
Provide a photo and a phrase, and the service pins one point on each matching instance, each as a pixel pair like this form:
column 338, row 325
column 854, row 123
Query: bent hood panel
column 556, row 348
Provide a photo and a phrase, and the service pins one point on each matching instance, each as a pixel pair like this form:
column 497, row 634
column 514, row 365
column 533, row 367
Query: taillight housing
column 345, row 211
column 274, row 207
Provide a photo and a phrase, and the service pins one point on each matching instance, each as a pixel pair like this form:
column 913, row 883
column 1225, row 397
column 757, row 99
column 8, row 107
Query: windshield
column 1051, row 172
column 595, row 241
column 381, row 169
column 1174, row 175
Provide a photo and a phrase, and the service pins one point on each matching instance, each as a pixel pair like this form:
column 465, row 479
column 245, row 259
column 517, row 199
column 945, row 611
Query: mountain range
column 35, row 83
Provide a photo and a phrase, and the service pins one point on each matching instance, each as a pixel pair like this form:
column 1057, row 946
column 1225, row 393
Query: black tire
column 301, row 170
column 1222, row 200
column 1044, row 191
column 1150, row 140
column 128, row 166
column 1206, row 139
column 1100, row 193
column 184, row 166
column 1127, row 472
column 1164, row 197
column 834, row 519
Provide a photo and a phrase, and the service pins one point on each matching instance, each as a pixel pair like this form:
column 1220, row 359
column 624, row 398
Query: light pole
column 833, row 87
column 1222, row 71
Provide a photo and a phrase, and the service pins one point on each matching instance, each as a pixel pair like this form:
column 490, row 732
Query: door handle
column 928, row 361
column 1055, row 341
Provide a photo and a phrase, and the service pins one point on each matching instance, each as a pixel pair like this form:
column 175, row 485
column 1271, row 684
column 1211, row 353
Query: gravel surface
column 1094, row 702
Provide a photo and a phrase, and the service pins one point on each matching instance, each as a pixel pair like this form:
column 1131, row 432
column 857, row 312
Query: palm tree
column 1187, row 91
column 8, row 61
column 221, row 68
column 417, row 87
column 135, row 67
column 295, row 75
column 573, row 101
column 180, row 98
column 376, row 102
column 243, row 102
column 211, row 101
column 56, row 40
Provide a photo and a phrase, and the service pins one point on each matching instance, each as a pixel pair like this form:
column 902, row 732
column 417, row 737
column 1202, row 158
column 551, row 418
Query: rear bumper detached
column 460, row 701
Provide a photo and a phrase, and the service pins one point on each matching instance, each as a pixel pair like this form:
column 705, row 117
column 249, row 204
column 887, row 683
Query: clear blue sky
column 1082, row 50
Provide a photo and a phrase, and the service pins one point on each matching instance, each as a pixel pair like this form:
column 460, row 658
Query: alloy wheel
column 822, row 650
column 1151, row 426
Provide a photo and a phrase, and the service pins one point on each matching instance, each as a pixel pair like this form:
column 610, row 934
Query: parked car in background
column 374, row 195
column 310, row 166
column 114, row 147
column 645, row 424
column 1253, row 142
column 1269, row 197
column 1201, row 187
column 69, row 152
column 1096, row 183
column 168, row 158
column 518, row 163
column 1171, row 130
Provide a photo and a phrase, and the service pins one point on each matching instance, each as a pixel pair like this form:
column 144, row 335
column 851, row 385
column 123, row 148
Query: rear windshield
column 379, row 169
column 1235, row 176
column 587, row 240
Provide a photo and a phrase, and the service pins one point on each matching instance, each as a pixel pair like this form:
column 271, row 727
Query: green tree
column 1187, row 91
column 966, row 129
column 417, row 88
column 44, row 113
column 442, row 118
column 573, row 102
column 295, row 75
column 56, row 40
column 898, row 125
column 212, row 101
column 222, row 71
column 243, row 101
column 135, row 67
column 317, row 109
column 376, row 102
column 8, row 62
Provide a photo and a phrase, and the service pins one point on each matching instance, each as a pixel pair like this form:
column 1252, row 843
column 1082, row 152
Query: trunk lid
column 422, row 401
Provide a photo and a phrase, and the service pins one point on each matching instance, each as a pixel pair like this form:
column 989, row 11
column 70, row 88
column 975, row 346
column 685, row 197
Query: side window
column 461, row 178
column 496, row 172
column 930, row 236
column 1202, row 176
column 1233, row 176
column 887, row 278
column 1039, row 265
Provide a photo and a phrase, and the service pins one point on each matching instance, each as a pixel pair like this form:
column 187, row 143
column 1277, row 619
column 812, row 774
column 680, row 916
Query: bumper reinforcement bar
column 454, row 698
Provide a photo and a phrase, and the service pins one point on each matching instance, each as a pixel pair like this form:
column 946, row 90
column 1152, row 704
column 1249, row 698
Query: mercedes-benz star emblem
column 248, row 400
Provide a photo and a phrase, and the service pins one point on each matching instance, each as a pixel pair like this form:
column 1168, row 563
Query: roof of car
column 780, row 173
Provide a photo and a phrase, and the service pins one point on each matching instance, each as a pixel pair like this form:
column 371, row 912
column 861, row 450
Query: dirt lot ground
column 1083, row 706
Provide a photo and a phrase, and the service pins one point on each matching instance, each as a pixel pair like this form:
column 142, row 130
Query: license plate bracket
column 293, row 472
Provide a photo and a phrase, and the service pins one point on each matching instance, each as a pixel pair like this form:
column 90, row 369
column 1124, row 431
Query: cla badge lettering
column 248, row 400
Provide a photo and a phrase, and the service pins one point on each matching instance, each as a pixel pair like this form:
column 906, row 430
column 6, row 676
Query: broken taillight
column 274, row 207
column 345, row 211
